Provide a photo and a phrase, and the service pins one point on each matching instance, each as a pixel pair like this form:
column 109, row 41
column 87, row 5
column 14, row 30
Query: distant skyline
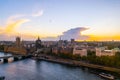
column 51, row 19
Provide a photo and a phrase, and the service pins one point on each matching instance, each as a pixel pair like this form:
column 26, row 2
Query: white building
column 101, row 51
column 79, row 51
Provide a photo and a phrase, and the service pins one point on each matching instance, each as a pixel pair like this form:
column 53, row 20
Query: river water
column 29, row 69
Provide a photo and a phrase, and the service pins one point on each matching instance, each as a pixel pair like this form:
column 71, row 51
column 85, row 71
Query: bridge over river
column 15, row 57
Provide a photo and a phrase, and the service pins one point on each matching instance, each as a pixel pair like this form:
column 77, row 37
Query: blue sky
column 57, row 16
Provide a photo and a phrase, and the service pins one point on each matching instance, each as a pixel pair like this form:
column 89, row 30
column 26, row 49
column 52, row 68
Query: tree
column 1, row 47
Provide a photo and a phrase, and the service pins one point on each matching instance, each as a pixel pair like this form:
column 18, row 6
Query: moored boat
column 107, row 76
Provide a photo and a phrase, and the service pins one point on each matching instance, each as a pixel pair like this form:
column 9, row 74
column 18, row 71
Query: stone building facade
column 101, row 51
column 79, row 51
column 17, row 48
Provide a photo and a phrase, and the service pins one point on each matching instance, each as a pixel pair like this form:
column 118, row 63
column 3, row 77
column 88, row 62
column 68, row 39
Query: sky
column 55, row 19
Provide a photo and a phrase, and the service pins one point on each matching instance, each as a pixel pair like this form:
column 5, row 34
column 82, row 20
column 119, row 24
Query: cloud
column 11, row 26
column 9, row 30
column 74, row 33
column 39, row 13
column 13, row 22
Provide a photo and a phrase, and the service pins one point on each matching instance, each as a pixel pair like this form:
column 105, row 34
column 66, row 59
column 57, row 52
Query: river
column 29, row 69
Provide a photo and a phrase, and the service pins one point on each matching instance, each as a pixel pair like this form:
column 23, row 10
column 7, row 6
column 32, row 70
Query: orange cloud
column 9, row 30
column 11, row 26
column 13, row 22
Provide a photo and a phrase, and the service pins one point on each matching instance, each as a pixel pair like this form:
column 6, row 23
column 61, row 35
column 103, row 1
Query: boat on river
column 107, row 76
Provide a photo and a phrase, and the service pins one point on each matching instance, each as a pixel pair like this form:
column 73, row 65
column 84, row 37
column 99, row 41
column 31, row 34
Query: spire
column 38, row 38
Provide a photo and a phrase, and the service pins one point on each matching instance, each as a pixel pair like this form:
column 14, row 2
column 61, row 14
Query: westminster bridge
column 15, row 57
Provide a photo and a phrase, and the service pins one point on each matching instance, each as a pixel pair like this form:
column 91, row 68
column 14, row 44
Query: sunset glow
column 93, row 20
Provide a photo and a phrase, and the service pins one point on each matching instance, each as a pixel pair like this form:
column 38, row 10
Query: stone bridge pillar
column 23, row 57
column 5, row 60
column 16, row 58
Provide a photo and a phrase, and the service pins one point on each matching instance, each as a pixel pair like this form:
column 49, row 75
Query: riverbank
column 76, row 63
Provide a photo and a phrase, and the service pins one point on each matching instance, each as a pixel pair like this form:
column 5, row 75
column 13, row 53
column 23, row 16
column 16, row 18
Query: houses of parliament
column 16, row 48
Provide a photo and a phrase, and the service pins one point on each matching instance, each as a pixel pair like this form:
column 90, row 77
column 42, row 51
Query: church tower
column 18, row 42
column 38, row 43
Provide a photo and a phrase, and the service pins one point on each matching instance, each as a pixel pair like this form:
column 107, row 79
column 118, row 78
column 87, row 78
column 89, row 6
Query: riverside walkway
column 78, row 63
